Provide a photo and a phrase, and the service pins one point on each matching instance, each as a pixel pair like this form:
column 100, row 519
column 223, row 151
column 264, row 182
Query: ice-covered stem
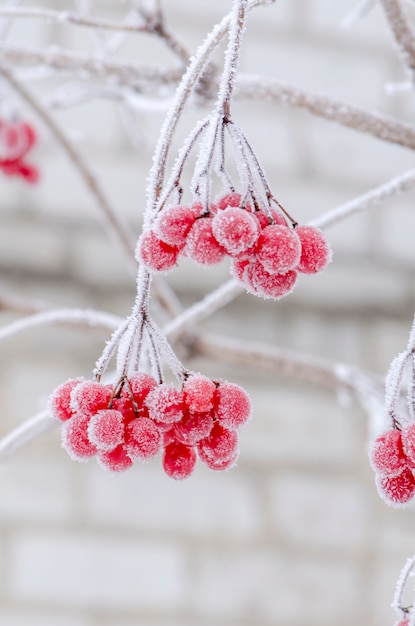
column 403, row 33
column 25, row 432
column 233, row 52
column 397, row 603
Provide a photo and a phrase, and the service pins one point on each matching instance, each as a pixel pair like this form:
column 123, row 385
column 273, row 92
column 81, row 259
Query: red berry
column 268, row 285
column 235, row 229
column 165, row 404
column 140, row 384
column 155, row 254
column 29, row 172
column 201, row 245
column 198, row 393
column 116, row 460
column 315, row 250
column 221, row 465
column 193, row 427
column 232, row 405
column 173, row 224
column 238, row 269
column 142, row 438
column 179, row 460
column 386, row 453
column 396, row 489
column 125, row 406
column 264, row 220
column 408, row 443
column 220, row 445
column 75, row 438
column 60, row 400
column 90, row 397
column 229, row 200
column 278, row 249
column 168, row 437
column 106, row 429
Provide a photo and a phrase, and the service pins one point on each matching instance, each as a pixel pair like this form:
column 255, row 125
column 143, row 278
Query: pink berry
column 386, row 453
column 232, row 404
column 106, row 429
column 396, row 489
column 278, row 249
column 140, row 384
column 220, row 464
column 276, row 216
column 142, row 438
column 173, row 224
column 116, row 460
column 229, row 200
column 239, row 268
column 90, row 397
column 408, row 444
column 168, row 437
column 75, row 438
column 125, row 406
column 179, row 460
column 60, row 400
column 235, row 229
column 155, row 254
column 404, row 622
column 220, row 445
column 315, row 250
column 165, row 404
column 201, row 245
column 198, row 393
column 193, row 427
column 268, row 285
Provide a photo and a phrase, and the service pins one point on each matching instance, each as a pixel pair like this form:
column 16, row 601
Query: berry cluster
column 137, row 419
column 266, row 253
column 16, row 139
column 392, row 456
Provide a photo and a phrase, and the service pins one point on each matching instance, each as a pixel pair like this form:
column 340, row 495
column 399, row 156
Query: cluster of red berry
column 137, row 419
column 392, row 456
column 266, row 253
column 16, row 139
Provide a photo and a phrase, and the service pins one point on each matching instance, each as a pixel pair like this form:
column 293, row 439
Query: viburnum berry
column 75, row 438
column 229, row 200
column 315, row 250
column 140, row 385
column 193, row 427
column 125, row 406
column 220, row 445
column 220, row 464
column 90, row 397
column 16, row 139
column 179, row 460
column 106, row 429
column 116, row 460
column 278, row 249
column 408, row 443
column 235, row 229
column 268, row 285
column 155, row 253
column 165, row 403
column 275, row 215
column 201, row 245
column 173, row 224
column 60, row 400
column 386, row 453
column 198, row 393
column 239, row 268
column 396, row 489
column 142, row 439
column 232, row 405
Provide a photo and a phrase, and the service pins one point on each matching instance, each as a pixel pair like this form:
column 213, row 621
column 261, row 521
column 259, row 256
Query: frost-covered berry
column 156, row 255
column 116, row 460
column 201, row 245
column 220, row 445
column 193, row 427
column 229, row 200
column 173, row 224
column 398, row 489
column 408, row 443
column 268, row 285
column 142, row 439
column 90, row 397
column 239, row 268
column 221, row 464
column 140, row 384
column 165, row 403
column 386, row 453
column 232, row 405
column 198, row 393
column 60, row 400
column 179, row 460
column 315, row 250
column 106, row 429
column 235, row 229
column 125, row 406
column 75, row 438
column 278, row 249
column 276, row 216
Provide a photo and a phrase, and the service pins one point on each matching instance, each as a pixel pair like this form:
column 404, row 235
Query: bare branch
column 25, row 432
column 399, row 24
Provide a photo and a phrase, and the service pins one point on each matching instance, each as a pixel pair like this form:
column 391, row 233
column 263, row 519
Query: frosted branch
column 400, row 26
column 23, row 434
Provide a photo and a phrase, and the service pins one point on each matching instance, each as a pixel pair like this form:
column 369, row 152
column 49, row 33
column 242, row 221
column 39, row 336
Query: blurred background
column 296, row 534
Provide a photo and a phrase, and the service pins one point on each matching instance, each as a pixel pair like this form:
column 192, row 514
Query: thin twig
column 25, row 432
column 400, row 26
